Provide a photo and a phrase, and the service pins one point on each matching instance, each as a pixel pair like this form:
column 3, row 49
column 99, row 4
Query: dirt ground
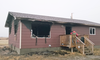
column 7, row 54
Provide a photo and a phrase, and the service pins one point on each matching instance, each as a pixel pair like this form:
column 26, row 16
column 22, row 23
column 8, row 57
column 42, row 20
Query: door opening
column 82, row 39
column 68, row 30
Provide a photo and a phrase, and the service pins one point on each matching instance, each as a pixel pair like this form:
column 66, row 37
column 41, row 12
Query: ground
column 68, row 56
column 7, row 54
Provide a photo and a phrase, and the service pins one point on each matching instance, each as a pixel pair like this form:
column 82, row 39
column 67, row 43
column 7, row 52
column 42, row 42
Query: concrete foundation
column 23, row 51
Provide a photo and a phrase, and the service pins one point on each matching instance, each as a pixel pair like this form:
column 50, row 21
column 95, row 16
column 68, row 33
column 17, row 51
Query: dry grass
column 3, row 38
column 69, row 56
column 97, row 51
column 3, row 42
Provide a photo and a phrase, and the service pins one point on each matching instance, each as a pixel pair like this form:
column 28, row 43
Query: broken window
column 40, row 30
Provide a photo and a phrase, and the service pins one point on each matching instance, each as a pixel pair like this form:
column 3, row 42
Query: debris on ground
column 7, row 54
column 7, row 51
column 48, row 53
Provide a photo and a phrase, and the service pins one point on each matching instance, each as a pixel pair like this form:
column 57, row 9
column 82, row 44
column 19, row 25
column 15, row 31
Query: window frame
column 40, row 37
column 92, row 30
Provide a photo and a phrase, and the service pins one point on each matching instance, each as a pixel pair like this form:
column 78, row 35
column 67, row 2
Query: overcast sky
column 81, row 9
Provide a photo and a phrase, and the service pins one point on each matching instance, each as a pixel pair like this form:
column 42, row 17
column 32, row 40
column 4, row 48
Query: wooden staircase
column 87, row 51
column 85, row 47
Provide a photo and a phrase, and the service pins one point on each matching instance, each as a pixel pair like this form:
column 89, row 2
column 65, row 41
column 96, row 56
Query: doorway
column 68, row 30
column 82, row 39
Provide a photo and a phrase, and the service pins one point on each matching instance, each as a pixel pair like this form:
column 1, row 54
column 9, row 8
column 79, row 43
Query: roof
column 49, row 18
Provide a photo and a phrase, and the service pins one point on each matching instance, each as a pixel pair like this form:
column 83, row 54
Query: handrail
column 92, row 44
column 89, row 40
column 81, row 49
column 80, row 40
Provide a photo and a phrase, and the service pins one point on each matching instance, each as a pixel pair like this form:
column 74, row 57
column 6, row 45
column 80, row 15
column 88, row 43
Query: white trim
column 92, row 31
column 20, row 34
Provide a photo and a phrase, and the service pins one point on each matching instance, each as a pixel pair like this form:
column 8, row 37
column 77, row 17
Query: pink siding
column 85, row 30
column 12, row 37
column 54, row 41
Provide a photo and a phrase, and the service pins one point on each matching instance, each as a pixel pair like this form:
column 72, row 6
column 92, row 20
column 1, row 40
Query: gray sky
column 81, row 9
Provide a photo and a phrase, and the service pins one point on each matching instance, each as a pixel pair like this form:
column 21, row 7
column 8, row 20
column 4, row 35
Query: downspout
column 20, row 34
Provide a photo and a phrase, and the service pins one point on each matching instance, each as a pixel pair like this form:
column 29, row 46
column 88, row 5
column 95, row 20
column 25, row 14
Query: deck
column 82, row 43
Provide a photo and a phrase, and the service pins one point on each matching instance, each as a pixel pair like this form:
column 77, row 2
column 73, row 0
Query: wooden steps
column 85, row 47
column 87, row 51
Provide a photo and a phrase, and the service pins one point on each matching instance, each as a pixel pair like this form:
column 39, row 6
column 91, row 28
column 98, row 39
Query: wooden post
column 92, row 48
column 83, row 49
column 72, row 49
column 60, row 40
column 84, row 39
column 70, row 40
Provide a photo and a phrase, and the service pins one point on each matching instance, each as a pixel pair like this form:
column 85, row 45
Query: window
column 92, row 31
column 40, row 30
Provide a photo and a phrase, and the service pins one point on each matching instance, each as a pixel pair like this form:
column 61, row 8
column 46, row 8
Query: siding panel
column 85, row 30
column 54, row 41
column 12, row 40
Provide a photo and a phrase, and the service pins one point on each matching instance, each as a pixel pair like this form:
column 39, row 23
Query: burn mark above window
column 16, row 22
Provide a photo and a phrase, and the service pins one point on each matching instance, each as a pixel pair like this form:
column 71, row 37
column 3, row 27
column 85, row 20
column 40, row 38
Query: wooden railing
column 67, row 40
column 73, row 41
column 80, row 45
column 89, row 44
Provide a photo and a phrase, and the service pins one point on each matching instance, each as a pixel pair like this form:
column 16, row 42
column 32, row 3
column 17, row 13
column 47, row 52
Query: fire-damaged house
column 30, row 33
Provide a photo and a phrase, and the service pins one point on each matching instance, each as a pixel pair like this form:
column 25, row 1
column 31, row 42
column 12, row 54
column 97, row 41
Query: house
column 29, row 33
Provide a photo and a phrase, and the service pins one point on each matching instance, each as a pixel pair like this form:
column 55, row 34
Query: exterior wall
column 54, row 41
column 14, row 40
column 85, row 30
